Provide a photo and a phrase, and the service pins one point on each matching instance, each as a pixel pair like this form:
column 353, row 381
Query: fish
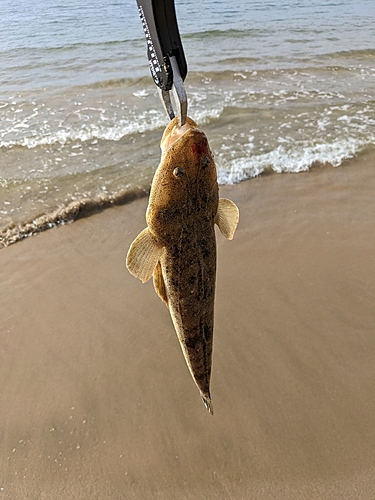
column 178, row 246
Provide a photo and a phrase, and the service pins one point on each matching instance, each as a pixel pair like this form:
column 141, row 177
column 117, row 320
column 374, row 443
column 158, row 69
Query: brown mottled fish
column 178, row 248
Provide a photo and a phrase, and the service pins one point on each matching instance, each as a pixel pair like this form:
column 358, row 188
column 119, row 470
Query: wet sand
column 96, row 401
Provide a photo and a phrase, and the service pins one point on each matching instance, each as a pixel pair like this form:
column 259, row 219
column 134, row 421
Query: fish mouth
column 173, row 133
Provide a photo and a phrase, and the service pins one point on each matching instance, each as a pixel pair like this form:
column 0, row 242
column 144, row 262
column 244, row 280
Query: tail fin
column 206, row 398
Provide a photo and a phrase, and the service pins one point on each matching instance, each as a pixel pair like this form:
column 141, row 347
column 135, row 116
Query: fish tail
column 206, row 398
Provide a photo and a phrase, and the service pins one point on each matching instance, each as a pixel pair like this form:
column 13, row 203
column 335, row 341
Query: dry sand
column 96, row 401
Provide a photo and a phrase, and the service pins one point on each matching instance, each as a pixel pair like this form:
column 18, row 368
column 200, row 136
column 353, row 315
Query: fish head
column 186, row 156
column 185, row 182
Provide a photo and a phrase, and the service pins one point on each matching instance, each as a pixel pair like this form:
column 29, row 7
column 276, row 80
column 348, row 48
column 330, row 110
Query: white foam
column 204, row 116
column 146, row 121
column 282, row 159
column 141, row 93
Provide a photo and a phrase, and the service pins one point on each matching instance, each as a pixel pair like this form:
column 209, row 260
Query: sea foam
column 283, row 160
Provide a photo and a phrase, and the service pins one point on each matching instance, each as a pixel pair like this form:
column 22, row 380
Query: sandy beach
column 96, row 401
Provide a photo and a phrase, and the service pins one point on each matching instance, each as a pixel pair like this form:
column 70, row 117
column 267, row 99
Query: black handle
column 163, row 40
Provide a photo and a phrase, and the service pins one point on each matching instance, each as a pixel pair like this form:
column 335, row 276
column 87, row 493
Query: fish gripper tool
column 165, row 54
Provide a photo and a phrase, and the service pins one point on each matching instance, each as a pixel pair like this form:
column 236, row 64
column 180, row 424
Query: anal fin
column 159, row 284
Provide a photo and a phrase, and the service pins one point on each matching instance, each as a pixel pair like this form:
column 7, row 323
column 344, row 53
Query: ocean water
column 277, row 85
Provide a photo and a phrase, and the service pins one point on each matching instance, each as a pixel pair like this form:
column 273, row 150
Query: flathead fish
column 178, row 248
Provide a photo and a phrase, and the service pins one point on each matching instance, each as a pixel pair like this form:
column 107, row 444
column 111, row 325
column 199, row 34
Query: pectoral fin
column 159, row 284
column 227, row 217
column 143, row 256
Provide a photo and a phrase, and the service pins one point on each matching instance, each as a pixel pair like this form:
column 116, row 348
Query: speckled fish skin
column 178, row 248
column 181, row 214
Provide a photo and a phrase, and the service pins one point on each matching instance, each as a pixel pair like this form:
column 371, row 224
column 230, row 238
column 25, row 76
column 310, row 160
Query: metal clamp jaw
column 165, row 54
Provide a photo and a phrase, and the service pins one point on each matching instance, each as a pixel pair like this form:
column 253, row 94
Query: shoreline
column 87, row 207
column 96, row 400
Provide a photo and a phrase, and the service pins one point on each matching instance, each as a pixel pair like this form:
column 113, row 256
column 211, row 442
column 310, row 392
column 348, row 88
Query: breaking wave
column 282, row 160
column 66, row 214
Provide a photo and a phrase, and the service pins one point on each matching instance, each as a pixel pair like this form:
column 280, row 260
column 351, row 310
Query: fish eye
column 178, row 172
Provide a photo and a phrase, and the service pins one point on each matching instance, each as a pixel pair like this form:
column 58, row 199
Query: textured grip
column 163, row 40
